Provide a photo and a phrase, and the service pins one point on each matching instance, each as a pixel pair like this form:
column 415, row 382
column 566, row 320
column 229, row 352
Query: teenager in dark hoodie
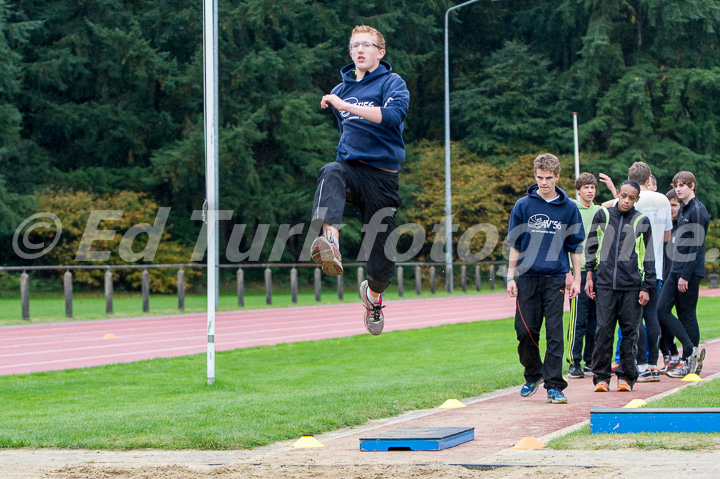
column 370, row 105
column 544, row 227
column 620, row 267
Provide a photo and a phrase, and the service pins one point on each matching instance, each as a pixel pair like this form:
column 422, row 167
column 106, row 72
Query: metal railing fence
column 489, row 269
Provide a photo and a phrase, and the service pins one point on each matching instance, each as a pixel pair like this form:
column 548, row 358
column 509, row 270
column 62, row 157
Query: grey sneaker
column 575, row 372
column 326, row 253
column 679, row 372
column 696, row 359
column 374, row 317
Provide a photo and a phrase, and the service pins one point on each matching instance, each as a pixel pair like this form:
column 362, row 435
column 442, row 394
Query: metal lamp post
column 448, row 188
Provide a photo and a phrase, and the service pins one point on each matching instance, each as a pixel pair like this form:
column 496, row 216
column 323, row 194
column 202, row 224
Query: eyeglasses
column 356, row 45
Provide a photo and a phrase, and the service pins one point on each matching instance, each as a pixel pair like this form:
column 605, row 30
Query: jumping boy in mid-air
column 370, row 105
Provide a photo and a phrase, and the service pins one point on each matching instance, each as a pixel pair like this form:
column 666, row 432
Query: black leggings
column 685, row 327
column 375, row 192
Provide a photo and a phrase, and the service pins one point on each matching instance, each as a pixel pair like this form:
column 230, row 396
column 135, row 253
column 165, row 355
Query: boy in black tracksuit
column 619, row 278
column 544, row 227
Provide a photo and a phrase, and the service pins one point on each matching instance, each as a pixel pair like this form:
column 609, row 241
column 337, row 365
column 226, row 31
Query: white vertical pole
column 577, row 145
column 211, row 161
column 448, row 181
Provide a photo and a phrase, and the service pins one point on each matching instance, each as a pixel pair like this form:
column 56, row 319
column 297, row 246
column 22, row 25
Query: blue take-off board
column 418, row 439
column 622, row 420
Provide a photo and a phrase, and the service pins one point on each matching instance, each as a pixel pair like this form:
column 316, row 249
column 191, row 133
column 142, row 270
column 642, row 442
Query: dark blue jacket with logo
column 379, row 145
column 544, row 233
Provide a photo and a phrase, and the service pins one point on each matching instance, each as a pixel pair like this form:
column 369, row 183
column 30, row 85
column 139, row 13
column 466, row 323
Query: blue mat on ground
column 627, row 420
column 418, row 439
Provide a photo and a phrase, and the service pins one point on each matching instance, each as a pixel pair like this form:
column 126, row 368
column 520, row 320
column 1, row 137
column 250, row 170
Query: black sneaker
column 374, row 317
column 645, row 376
column 575, row 372
column 587, row 369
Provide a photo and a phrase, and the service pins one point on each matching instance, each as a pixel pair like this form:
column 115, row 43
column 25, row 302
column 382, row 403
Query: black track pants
column 541, row 297
column 616, row 308
column 649, row 339
column 375, row 192
column 583, row 323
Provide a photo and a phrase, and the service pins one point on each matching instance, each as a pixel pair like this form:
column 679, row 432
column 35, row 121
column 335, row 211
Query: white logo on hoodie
column 543, row 222
column 354, row 101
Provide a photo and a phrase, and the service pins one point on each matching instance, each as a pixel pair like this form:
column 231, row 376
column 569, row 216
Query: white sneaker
column 374, row 317
column 326, row 253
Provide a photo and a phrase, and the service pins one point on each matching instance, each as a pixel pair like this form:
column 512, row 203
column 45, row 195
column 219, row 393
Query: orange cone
column 529, row 443
column 109, row 336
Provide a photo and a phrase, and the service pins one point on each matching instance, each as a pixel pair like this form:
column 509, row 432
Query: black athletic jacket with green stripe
column 623, row 261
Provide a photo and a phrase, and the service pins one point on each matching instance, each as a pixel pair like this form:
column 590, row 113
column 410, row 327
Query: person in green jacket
column 583, row 320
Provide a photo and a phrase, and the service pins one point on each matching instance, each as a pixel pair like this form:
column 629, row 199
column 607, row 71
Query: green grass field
column 702, row 395
column 265, row 394
column 261, row 395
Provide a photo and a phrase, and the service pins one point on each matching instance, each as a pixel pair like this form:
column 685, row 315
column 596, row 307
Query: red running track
column 34, row 348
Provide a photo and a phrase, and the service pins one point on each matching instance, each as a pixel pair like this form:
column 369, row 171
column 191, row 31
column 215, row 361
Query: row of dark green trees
column 99, row 97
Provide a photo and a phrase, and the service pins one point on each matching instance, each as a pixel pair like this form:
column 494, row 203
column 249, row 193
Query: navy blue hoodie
column 544, row 233
column 379, row 145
